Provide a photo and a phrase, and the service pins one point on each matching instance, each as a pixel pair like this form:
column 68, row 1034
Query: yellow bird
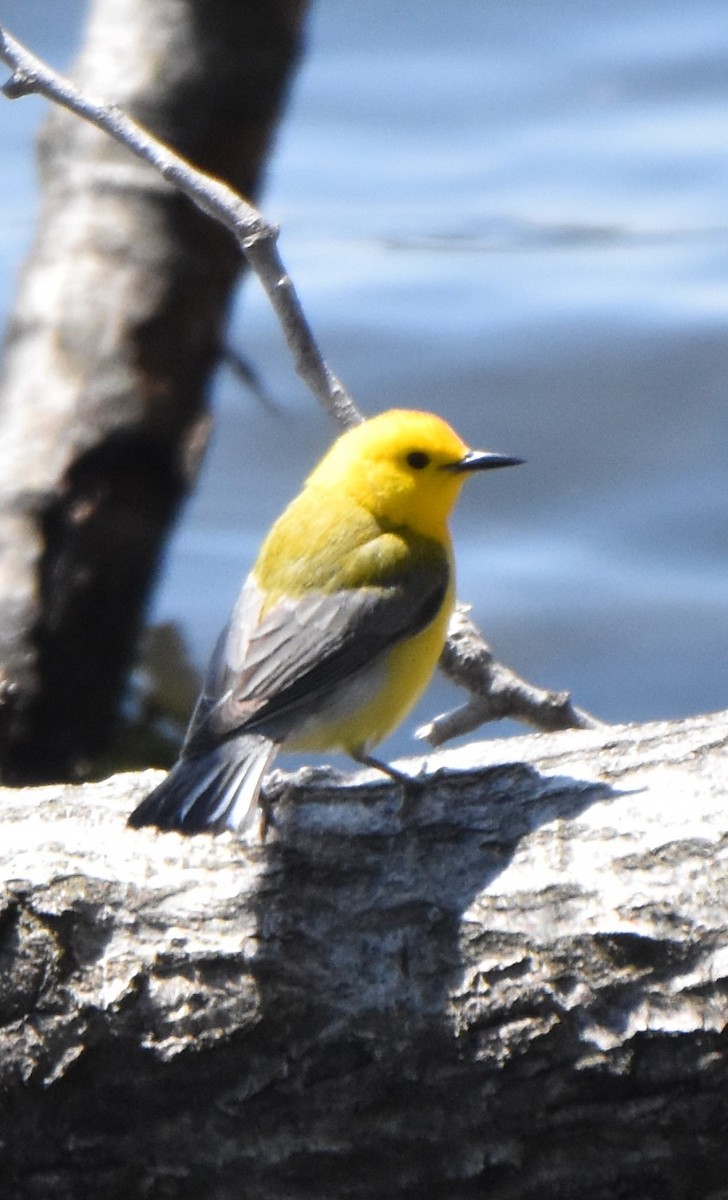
column 339, row 625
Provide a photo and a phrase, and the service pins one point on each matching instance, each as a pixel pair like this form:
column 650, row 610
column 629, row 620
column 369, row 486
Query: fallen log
column 512, row 985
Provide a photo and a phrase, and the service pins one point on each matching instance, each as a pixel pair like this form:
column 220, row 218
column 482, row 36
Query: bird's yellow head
column 404, row 466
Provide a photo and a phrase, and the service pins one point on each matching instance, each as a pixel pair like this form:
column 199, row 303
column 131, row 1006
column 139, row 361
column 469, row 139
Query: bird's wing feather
column 267, row 670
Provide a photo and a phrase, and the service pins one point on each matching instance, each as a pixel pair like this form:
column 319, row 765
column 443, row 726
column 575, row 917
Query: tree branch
column 256, row 237
column 496, row 691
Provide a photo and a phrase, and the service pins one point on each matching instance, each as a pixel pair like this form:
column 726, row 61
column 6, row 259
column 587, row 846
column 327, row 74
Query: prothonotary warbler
column 339, row 625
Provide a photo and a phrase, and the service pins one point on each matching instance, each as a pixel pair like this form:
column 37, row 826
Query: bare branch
column 256, row 237
column 496, row 691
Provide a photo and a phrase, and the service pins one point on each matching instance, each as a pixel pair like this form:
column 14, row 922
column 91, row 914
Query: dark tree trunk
column 515, row 989
column 118, row 325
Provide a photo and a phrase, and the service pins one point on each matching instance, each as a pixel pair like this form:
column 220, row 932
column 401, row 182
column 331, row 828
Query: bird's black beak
column 483, row 460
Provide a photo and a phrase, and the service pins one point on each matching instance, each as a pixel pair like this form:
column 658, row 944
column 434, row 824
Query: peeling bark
column 514, row 988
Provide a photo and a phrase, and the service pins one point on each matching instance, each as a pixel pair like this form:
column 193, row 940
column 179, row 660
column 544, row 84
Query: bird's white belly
column 335, row 722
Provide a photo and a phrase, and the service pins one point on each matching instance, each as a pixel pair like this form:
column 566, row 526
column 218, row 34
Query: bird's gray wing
column 267, row 671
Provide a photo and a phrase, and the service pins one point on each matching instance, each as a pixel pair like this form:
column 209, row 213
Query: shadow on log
column 514, row 989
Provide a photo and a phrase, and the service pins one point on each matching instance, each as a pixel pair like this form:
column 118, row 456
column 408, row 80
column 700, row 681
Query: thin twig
column 244, row 370
column 255, row 236
column 496, row 691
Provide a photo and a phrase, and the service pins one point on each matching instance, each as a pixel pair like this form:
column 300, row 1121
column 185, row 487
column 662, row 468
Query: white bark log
column 515, row 988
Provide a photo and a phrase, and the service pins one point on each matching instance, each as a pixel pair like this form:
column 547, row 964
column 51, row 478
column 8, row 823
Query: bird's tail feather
column 210, row 792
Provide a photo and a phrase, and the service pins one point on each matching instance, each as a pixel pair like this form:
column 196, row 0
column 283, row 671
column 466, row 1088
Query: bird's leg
column 412, row 788
column 368, row 760
column 262, row 819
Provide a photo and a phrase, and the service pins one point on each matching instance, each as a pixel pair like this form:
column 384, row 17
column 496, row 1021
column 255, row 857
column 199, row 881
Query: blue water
column 516, row 214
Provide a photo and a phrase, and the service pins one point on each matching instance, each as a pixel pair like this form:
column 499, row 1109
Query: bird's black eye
column 418, row 459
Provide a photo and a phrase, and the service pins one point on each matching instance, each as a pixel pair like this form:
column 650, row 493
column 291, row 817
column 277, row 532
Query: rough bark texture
column 514, row 988
column 117, row 326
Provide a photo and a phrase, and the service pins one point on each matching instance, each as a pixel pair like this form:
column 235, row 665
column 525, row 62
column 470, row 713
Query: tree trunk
column 515, row 988
column 117, row 327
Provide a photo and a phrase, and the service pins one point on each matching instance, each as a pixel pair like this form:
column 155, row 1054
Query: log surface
column 513, row 987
